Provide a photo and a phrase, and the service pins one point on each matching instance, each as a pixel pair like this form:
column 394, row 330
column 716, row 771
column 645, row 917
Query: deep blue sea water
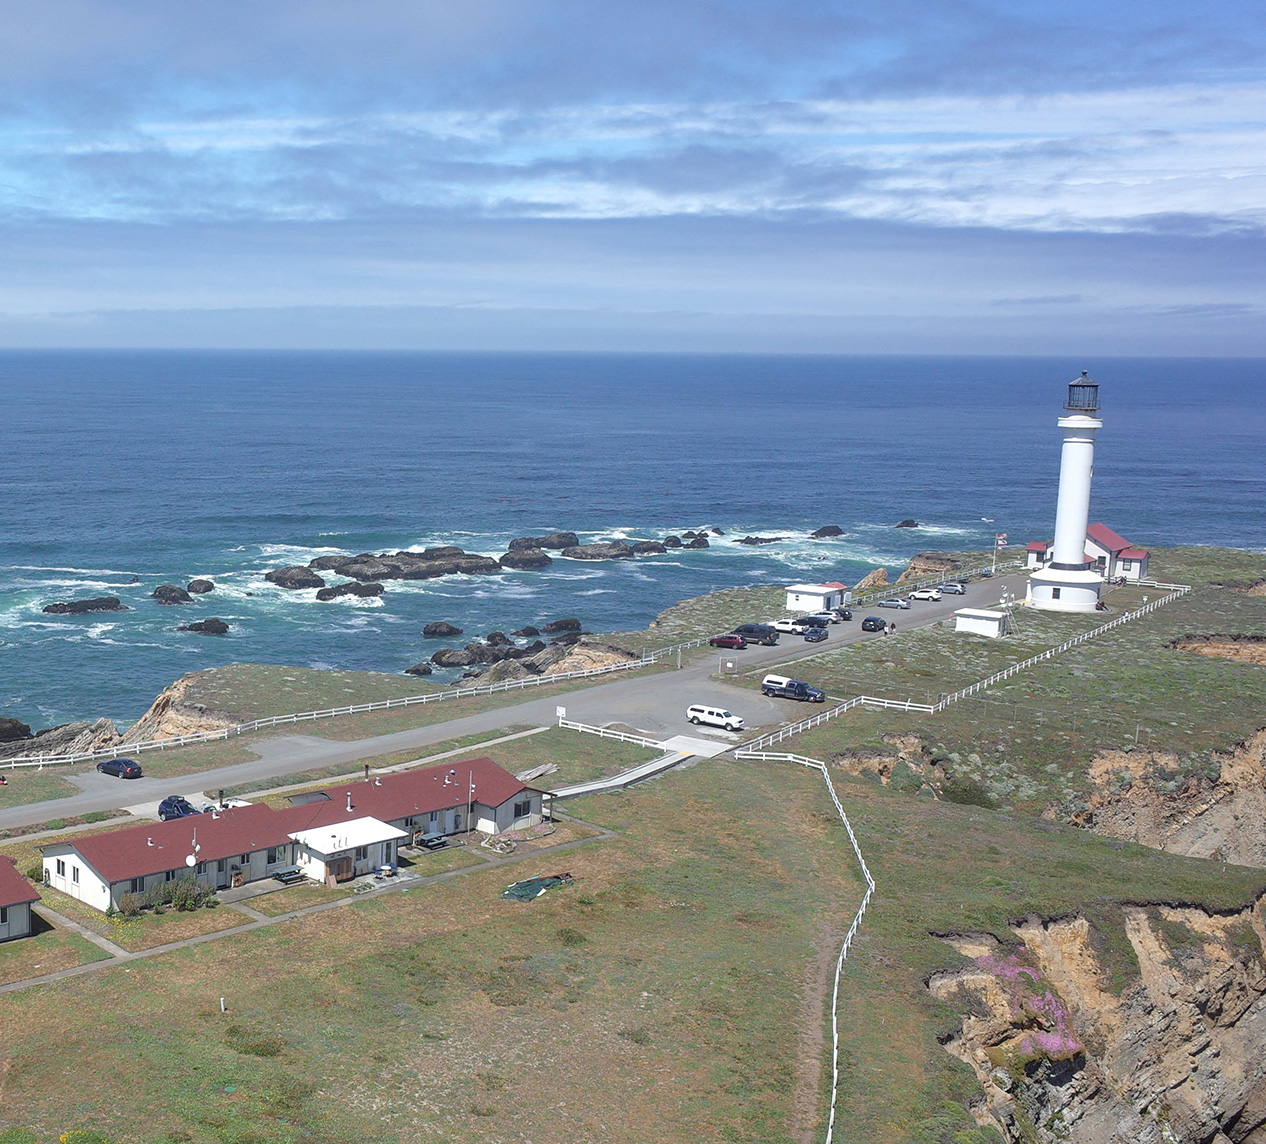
column 170, row 465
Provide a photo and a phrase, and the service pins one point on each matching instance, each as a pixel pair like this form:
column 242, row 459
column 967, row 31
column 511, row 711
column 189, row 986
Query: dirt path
column 812, row 1040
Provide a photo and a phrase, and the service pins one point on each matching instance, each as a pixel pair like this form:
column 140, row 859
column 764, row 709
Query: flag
column 1000, row 540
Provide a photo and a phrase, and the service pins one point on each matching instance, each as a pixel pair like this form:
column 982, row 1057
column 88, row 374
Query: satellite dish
column 191, row 860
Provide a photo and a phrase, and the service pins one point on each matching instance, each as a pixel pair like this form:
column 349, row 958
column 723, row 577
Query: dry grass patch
column 45, row 951
column 294, row 898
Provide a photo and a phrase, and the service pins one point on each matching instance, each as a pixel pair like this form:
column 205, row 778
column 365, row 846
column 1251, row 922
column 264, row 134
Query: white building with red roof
column 232, row 847
column 16, row 896
column 1112, row 555
column 818, row 597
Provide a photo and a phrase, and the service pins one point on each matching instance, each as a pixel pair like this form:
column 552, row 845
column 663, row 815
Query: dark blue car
column 124, row 768
column 175, row 806
column 815, row 635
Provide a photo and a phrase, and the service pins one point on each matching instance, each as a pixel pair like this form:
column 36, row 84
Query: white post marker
column 561, row 712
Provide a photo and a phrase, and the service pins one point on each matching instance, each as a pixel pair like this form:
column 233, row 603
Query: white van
column 714, row 717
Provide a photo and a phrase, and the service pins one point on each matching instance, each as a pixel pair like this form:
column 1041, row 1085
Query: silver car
column 893, row 603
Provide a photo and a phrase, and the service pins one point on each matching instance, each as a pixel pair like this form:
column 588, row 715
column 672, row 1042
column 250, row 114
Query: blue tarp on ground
column 531, row 888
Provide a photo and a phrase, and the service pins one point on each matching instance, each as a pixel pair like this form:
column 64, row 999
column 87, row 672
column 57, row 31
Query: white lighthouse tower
column 1068, row 583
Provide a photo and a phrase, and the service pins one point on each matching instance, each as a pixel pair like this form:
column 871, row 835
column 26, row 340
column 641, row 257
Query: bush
column 95, row 816
column 55, row 824
column 130, row 905
column 36, row 874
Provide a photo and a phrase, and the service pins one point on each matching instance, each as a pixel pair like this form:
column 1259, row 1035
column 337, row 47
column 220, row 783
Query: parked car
column 815, row 635
column 829, row 617
column 953, row 587
column 757, row 633
column 844, row 613
column 123, row 768
column 894, row 603
column 816, row 621
column 714, row 717
column 874, row 624
column 926, row 594
column 730, row 639
column 785, row 688
column 175, row 806
column 791, row 627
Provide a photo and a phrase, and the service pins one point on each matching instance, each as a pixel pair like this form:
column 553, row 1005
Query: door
column 340, row 869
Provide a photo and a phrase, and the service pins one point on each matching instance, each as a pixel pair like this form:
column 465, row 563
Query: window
column 362, row 852
column 74, row 875
column 245, row 859
column 138, row 884
column 220, row 865
column 169, row 875
column 522, row 808
column 272, row 856
column 61, row 868
column 1054, row 593
column 1127, row 565
column 4, row 915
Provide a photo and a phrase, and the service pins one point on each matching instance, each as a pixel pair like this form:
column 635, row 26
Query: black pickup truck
column 785, row 688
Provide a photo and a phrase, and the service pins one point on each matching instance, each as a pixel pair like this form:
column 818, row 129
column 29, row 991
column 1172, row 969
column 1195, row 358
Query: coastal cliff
column 174, row 713
column 1177, row 1056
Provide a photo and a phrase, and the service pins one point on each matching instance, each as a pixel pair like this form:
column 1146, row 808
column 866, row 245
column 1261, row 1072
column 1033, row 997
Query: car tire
column 694, row 719
column 764, row 692
column 729, row 727
column 100, row 768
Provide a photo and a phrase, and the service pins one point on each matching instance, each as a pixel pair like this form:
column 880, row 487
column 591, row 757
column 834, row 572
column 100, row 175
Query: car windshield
column 726, row 715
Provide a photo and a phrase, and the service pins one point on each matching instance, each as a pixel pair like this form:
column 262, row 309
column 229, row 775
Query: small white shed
column 817, row 597
column 980, row 622
column 346, row 850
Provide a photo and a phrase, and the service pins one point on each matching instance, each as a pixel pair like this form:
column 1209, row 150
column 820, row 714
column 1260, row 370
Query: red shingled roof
column 834, row 584
column 14, row 889
column 1036, row 546
column 154, row 847
column 1103, row 536
column 1134, row 554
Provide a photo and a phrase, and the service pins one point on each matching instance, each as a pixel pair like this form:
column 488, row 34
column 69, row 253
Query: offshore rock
column 200, row 587
column 527, row 632
column 825, row 531
column 80, row 607
column 672, row 541
column 760, row 539
column 697, row 542
column 454, row 657
column 441, row 629
column 909, row 522
column 364, row 591
column 521, row 559
column 404, row 565
column 294, row 577
column 498, row 639
column 169, row 594
column 211, row 627
column 607, row 550
column 648, row 548
column 422, row 668
column 571, row 624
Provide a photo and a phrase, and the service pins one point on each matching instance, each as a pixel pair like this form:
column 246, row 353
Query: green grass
column 294, row 898
column 46, row 951
column 705, row 616
column 27, row 784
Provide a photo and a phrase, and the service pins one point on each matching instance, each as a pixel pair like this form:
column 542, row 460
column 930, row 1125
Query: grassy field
column 705, row 616
column 147, row 930
column 30, row 785
column 47, row 951
column 665, row 996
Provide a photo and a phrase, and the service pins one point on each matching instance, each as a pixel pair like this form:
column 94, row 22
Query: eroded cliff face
column 1155, row 799
column 1179, row 1057
column 173, row 713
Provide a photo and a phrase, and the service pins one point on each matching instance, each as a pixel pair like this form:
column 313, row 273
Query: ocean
column 126, row 470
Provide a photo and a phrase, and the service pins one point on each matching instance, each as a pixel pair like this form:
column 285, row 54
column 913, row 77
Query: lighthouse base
column 1064, row 589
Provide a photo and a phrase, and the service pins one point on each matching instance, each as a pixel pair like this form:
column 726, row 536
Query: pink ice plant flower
column 1032, row 999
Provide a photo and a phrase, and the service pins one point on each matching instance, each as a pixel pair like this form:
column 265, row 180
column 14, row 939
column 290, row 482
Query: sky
column 923, row 176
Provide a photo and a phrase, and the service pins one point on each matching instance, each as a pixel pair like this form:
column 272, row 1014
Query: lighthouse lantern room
column 1068, row 583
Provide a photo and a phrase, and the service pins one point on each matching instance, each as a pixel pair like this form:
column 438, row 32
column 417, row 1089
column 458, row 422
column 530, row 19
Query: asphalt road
column 654, row 704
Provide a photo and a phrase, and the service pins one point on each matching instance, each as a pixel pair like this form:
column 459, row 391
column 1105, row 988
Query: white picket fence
column 607, row 733
column 645, row 660
column 821, row 767
column 1175, row 591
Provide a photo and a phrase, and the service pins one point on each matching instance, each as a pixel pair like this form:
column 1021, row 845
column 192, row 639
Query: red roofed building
column 244, row 844
column 16, row 896
column 1113, row 555
column 1037, row 553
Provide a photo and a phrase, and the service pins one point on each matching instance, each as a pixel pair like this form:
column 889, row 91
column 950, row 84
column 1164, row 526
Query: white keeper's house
column 331, row 835
column 817, row 597
column 16, row 896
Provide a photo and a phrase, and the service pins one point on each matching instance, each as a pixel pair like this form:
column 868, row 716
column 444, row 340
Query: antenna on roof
column 377, row 782
column 349, row 800
column 149, row 842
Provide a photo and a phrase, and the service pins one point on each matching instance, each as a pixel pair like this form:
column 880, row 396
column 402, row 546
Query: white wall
column 88, row 887
column 17, row 923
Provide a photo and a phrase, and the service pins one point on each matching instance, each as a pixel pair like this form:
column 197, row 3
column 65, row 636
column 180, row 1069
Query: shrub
column 55, row 824
column 130, row 905
column 95, row 816
column 571, row 937
column 36, row 874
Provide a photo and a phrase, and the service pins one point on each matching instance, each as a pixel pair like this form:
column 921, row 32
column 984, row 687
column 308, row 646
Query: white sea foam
column 599, row 592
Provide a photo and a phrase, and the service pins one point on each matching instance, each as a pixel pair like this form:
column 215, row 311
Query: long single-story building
column 818, row 597
column 16, row 896
column 1113, row 555
column 330, row 835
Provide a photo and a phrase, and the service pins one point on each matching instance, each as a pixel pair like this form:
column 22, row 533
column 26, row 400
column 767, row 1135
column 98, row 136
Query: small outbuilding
column 1037, row 553
column 981, row 622
column 1132, row 564
column 342, row 851
column 16, row 896
column 818, row 597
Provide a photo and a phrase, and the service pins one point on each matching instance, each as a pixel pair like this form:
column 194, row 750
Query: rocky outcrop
column 66, row 739
column 429, row 564
column 498, row 639
column 80, row 607
column 11, row 729
column 648, row 548
column 909, row 522
column 607, row 550
column 760, row 539
column 455, row 657
column 422, row 668
column 825, row 531
column 363, row 591
column 1210, row 806
column 170, row 594
column 440, row 629
column 571, row 624
column 697, row 542
column 671, row 541
column 929, row 564
column 172, row 713
column 200, row 587
column 526, row 559
column 526, row 633
column 1245, row 649
column 210, row 627
column 555, row 540
column 876, row 579
column 536, row 659
column 1178, row 1058
column 295, row 577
